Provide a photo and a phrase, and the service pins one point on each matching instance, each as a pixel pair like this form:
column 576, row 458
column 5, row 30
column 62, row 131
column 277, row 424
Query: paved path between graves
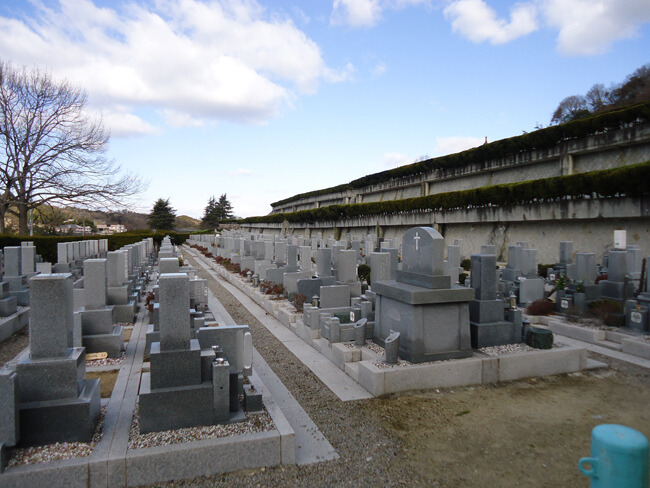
column 605, row 351
column 311, row 444
column 334, row 378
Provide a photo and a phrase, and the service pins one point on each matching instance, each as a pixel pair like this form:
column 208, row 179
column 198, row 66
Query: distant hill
column 46, row 219
column 185, row 222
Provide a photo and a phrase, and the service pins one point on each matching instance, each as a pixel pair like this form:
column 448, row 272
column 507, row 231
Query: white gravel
column 105, row 362
column 258, row 422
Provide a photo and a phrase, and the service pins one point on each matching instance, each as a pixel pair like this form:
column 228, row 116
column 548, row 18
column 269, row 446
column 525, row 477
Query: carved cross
column 417, row 241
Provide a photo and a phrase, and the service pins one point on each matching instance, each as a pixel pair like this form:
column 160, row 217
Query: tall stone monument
column 56, row 401
column 99, row 332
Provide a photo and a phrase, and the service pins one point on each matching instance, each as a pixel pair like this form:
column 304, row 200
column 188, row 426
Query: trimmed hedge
column 630, row 181
column 540, row 139
column 46, row 246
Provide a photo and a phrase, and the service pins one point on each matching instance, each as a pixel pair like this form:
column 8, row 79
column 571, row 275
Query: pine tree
column 211, row 218
column 224, row 208
column 162, row 215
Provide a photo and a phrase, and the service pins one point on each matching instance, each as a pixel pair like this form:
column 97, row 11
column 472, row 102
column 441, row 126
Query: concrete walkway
column 311, row 444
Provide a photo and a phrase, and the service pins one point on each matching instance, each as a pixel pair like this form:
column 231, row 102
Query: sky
column 262, row 100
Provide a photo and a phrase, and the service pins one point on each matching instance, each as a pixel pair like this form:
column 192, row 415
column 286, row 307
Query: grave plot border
column 113, row 465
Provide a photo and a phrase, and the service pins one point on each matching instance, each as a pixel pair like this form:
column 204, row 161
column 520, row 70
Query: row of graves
column 602, row 303
column 198, row 376
column 415, row 326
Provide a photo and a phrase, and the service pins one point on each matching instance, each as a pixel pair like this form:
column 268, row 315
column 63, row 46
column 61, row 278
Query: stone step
column 615, row 346
column 352, row 370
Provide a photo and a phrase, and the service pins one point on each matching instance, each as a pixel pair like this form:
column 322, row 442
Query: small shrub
column 462, row 277
column 541, row 307
column 542, row 269
column 606, row 310
column 364, row 273
column 299, row 300
column 150, row 301
column 466, row 264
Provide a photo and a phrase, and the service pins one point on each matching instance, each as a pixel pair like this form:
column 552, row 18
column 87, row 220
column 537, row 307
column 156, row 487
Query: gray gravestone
column 566, row 252
column 380, row 266
column 324, row 262
column 483, row 276
column 174, row 311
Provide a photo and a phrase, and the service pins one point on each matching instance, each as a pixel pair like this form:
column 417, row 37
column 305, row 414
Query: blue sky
column 265, row 99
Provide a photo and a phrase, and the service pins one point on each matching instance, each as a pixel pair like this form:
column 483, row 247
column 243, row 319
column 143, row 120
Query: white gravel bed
column 58, row 450
column 106, row 362
column 258, row 422
column 506, row 349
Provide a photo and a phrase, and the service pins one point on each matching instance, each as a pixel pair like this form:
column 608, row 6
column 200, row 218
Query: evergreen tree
column 224, row 208
column 210, row 218
column 162, row 215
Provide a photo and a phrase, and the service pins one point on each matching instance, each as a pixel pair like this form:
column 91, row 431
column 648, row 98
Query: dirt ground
column 524, row 433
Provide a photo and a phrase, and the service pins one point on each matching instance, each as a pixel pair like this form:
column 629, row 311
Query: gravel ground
column 255, row 422
column 13, row 344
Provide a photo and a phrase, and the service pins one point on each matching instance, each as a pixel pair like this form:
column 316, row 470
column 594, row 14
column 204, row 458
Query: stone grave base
column 47, row 422
column 379, row 378
column 494, row 334
column 112, row 343
column 125, row 313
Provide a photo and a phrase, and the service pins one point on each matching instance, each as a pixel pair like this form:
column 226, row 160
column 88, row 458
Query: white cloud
column 344, row 74
column 191, row 60
column 181, row 119
column 478, row 22
column 356, row 13
column 379, row 69
column 393, row 160
column 122, row 123
column 366, row 13
column 451, row 145
column 588, row 27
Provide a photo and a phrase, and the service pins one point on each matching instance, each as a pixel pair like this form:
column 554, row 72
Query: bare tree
column 598, row 97
column 53, row 150
column 570, row 108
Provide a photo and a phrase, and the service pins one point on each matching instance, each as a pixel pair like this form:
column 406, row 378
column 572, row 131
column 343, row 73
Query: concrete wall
column 612, row 149
column 589, row 223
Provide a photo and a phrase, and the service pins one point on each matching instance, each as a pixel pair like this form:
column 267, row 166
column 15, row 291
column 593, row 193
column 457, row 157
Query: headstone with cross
column 430, row 314
column 423, row 264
